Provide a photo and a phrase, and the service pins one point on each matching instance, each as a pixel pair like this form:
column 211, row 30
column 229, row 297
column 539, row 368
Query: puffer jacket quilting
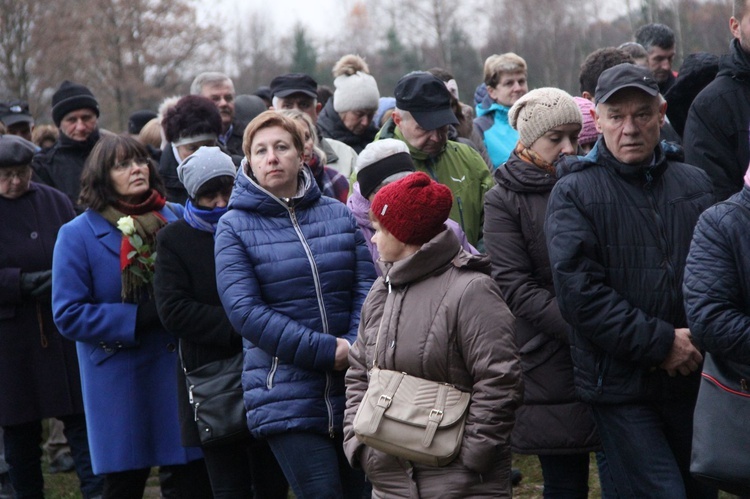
column 290, row 289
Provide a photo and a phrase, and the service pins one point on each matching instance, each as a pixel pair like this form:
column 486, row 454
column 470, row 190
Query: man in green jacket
column 421, row 119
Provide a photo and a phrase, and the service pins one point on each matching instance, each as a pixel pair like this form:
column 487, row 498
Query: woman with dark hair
column 192, row 123
column 292, row 271
column 103, row 299
column 189, row 306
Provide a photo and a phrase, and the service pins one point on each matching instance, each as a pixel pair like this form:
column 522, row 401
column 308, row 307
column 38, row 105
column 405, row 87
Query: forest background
column 134, row 53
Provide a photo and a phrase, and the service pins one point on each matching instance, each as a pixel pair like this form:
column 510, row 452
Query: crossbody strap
column 436, row 415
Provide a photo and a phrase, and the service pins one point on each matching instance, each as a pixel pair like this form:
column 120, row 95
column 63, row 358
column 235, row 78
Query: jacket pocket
column 272, row 373
column 99, row 354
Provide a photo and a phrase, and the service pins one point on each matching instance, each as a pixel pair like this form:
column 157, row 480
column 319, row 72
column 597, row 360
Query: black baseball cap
column 426, row 98
column 17, row 111
column 294, row 83
column 625, row 75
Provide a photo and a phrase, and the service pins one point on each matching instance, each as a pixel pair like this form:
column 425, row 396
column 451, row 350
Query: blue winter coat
column 499, row 137
column 129, row 383
column 292, row 278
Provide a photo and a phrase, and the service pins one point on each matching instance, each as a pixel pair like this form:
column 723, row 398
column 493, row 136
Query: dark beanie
column 72, row 97
column 413, row 209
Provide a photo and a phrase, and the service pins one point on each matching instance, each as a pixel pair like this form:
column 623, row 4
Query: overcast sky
column 321, row 17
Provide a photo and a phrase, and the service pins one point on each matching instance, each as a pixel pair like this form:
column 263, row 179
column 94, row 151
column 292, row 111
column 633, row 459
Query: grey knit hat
column 204, row 164
column 541, row 110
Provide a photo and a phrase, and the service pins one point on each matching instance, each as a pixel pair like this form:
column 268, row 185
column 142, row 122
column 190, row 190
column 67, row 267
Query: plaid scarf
column 147, row 222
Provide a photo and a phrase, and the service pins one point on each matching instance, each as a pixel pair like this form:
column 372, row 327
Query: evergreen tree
column 304, row 54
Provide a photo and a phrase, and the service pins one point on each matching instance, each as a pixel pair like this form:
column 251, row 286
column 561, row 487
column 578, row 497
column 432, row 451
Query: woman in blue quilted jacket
column 293, row 271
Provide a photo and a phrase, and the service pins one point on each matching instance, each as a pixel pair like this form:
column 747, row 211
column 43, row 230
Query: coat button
column 34, row 235
column 171, row 347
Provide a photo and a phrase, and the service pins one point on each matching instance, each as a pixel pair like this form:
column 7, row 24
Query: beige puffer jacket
column 444, row 320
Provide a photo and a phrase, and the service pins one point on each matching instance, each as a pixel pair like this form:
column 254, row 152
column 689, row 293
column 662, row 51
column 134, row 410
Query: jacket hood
column 490, row 106
column 520, row 176
column 360, row 207
column 249, row 196
column 433, row 258
column 736, row 63
column 601, row 156
column 331, row 125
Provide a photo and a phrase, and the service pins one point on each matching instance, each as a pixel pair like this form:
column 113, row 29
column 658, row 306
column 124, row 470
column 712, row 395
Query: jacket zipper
column 272, row 373
column 321, row 308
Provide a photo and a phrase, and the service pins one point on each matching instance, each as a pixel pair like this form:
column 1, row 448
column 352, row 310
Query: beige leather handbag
column 410, row 417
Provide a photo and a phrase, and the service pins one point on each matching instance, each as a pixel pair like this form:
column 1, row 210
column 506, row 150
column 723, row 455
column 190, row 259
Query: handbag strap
column 436, row 415
column 380, row 327
column 384, row 401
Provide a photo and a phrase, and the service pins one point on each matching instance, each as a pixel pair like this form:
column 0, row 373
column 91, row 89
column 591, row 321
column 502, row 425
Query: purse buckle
column 436, row 415
column 384, row 401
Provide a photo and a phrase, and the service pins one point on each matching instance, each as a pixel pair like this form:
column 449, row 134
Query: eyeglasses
column 8, row 174
column 122, row 166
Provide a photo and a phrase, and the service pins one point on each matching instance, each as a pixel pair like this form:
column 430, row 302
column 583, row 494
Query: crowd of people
column 535, row 250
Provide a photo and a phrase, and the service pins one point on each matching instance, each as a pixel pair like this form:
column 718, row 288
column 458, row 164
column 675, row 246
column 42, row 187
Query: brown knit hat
column 541, row 110
column 413, row 209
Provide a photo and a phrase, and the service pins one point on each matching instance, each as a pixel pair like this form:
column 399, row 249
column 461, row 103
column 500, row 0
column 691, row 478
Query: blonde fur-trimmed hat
column 541, row 110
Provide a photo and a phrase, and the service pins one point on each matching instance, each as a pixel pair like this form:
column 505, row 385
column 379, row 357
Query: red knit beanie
column 413, row 209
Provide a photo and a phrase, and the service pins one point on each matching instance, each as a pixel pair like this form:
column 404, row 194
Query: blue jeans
column 315, row 466
column 647, row 448
column 243, row 470
column 23, row 452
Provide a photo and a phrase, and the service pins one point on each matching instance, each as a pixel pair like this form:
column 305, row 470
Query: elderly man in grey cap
column 619, row 225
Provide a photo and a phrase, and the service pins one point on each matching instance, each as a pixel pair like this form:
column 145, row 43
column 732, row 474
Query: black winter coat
column 551, row 419
column 716, row 132
column 61, row 165
column 618, row 236
column 39, row 376
column 331, row 127
column 189, row 307
column 717, row 279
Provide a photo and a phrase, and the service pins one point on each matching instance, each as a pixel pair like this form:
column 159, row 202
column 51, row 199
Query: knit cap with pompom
column 413, row 209
column 355, row 88
column 541, row 110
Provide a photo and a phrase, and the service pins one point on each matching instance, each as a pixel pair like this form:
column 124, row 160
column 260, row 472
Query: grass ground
column 65, row 485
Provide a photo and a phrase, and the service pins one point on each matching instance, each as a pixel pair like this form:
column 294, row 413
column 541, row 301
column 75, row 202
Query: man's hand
column 683, row 357
column 342, row 355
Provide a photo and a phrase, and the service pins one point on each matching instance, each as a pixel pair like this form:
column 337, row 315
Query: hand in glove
column 44, row 288
column 31, row 281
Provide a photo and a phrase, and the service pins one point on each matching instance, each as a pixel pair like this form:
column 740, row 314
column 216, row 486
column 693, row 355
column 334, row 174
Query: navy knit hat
column 71, row 97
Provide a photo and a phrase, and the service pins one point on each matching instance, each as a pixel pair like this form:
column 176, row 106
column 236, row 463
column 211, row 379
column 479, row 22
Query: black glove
column 31, row 281
column 146, row 317
column 44, row 288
